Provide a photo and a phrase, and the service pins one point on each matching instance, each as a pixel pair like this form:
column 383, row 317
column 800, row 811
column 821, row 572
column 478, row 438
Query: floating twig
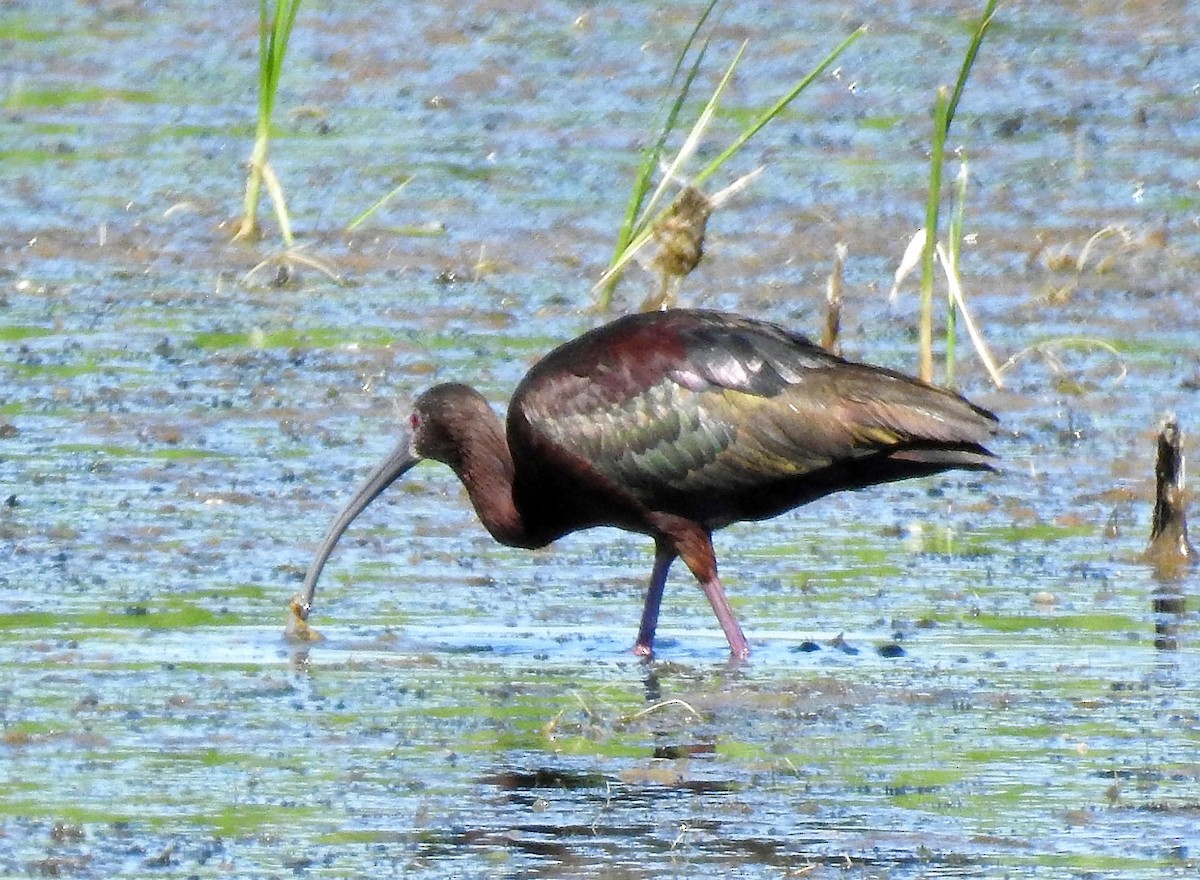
column 642, row 713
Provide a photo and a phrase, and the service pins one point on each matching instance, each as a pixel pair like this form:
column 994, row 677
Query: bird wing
column 737, row 406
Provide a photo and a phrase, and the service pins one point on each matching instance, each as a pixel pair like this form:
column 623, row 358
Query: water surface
column 174, row 438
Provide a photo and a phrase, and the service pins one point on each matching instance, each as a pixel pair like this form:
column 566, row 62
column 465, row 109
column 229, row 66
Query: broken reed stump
column 833, row 302
column 1168, row 530
column 1169, row 551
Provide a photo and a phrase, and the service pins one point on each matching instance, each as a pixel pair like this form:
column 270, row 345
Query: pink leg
column 664, row 555
column 738, row 646
column 693, row 544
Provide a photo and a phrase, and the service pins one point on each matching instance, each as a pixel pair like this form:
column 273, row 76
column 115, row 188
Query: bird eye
column 414, row 421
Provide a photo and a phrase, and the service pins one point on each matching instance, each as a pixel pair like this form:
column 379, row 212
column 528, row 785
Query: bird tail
column 971, row 457
column 923, row 428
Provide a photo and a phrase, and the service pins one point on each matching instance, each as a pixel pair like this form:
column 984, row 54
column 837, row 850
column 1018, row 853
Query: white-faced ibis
column 673, row 424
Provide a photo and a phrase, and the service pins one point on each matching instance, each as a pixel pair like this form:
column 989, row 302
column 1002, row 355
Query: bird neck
column 486, row 470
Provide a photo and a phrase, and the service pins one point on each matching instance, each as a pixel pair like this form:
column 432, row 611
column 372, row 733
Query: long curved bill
column 392, row 468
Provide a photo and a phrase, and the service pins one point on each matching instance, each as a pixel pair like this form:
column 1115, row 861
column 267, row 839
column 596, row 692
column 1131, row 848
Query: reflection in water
column 299, row 661
column 652, row 685
column 1169, row 605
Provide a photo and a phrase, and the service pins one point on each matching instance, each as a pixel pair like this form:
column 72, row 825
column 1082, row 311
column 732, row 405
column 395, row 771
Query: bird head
column 434, row 430
column 440, row 419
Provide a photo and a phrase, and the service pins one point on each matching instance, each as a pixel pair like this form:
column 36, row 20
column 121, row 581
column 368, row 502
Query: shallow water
column 174, row 439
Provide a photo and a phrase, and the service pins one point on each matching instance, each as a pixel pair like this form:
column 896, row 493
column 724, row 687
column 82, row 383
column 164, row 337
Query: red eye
column 414, row 421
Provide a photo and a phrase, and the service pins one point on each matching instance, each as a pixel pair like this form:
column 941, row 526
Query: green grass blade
column 641, row 228
column 274, row 30
column 285, row 19
column 387, row 197
column 275, row 191
column 955, row 285
column 652, row 154
column 932, row 204
column 947, row 104
column 691, row 142
column 647, row 219
column 264, row 62
column 954, row 251
column 989, row 13
column 775, row 109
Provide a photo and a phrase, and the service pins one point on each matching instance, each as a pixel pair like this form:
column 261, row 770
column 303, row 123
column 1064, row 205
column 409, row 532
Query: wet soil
column 970, row 676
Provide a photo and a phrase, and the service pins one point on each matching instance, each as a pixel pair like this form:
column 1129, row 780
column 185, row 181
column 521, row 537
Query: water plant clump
column 644, row 220
column 274, row 31
column 944, row 109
